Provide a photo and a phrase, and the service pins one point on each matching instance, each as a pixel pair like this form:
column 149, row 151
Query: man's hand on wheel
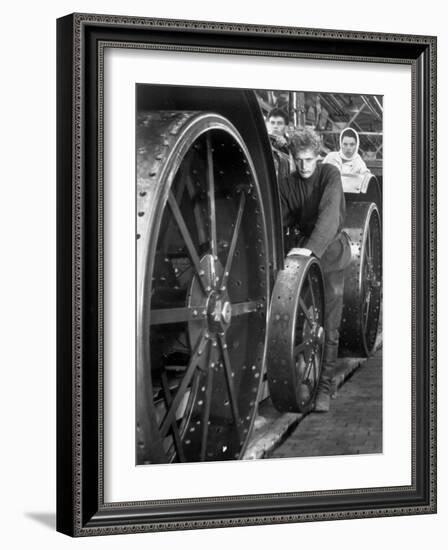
column 299, row 252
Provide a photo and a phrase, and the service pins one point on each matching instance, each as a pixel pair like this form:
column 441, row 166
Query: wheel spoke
column 365, row 314
column 192, row 365
column 200, row 226
column 211, row 197
column 315, row 369
column 308, row 367
column 174, row 429
column 241, row 308
column 234, row 240
column 299, row 349
column 179, row 192
column 229, row 380
column 177, row 315
column 310, row 284
column 208, row 402
column 186, row 236
column 305, row 311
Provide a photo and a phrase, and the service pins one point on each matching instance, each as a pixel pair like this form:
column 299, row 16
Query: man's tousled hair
column 303, row 140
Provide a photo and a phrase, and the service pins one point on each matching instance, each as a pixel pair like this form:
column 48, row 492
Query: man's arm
column 328, row 220
column 284, row 191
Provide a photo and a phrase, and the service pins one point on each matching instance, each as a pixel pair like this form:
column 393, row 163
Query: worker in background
column 313, row 204
column 347, row 159
column 277, row 124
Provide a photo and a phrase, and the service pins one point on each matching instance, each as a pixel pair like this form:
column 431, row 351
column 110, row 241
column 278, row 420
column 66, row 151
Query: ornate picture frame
column 82, row 509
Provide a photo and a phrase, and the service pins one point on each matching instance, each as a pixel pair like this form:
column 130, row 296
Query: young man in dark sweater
column 313, row 204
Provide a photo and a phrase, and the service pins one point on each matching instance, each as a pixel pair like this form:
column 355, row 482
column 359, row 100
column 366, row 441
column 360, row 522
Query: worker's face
column 348, row 146
column 277, row 125
column 306, row 162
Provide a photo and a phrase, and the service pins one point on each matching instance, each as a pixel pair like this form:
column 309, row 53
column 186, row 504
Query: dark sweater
column 315, row 205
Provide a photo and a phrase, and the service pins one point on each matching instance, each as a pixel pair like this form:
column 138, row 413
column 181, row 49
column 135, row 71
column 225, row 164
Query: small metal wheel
column 363, row 279
column 202, row 288
column 296, row 335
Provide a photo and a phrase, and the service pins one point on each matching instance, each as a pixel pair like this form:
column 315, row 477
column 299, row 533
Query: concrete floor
column 353, row 425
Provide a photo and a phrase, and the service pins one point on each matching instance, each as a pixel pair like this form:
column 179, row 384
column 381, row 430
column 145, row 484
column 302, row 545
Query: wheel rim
column 363, row 280
column 296, row 335
column 369, row 192
column 203, row 287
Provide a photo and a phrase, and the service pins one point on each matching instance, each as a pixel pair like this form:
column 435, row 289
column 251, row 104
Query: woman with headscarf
column 347, row 159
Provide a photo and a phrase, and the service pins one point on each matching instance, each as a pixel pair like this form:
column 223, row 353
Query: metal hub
column 219, row 312
column 209, row 295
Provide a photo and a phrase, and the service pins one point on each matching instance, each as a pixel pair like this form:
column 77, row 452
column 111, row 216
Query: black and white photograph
column 246, row 277
column 258, row 274
column 223, row 275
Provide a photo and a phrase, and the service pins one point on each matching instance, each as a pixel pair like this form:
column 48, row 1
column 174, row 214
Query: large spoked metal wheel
column 296, row 335
column 362, row 287
column 202, row 288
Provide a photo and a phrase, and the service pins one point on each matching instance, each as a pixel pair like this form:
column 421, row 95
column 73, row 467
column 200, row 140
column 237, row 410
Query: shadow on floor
column 48, row 519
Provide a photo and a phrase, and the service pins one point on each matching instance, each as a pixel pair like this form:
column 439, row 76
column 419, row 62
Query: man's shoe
column 322, row 403
column 325, row 392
